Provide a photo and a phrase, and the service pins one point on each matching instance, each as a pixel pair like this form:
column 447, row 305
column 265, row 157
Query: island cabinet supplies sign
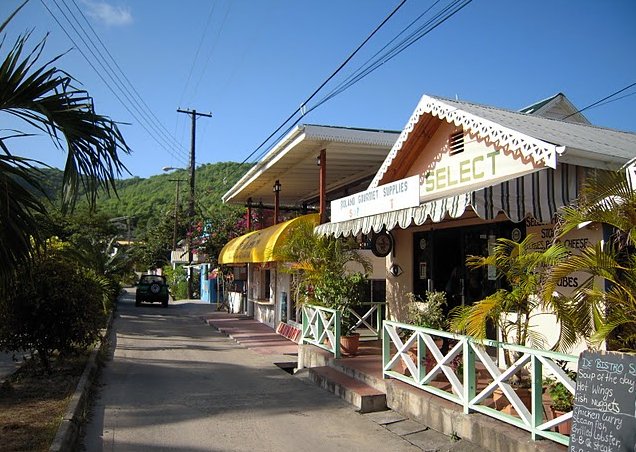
column 396, row 195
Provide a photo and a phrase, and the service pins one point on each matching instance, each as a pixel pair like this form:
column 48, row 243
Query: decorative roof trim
column 529, row 147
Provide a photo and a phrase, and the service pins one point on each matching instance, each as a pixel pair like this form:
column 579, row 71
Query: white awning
column 538, row 194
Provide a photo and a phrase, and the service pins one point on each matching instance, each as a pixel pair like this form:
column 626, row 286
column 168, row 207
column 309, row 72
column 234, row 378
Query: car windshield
column 149, row 279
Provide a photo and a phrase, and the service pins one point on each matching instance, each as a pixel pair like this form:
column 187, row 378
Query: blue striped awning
column 539, row 195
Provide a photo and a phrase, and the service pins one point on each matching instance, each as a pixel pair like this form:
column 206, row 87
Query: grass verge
column 32, row 402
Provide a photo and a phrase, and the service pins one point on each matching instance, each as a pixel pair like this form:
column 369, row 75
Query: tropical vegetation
column 46, row 100
column 56, row 283
column 522, row 272
column 326, row 271
column 605, row 304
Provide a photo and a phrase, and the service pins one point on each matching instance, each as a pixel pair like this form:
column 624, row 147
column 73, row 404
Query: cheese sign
column 396, row 195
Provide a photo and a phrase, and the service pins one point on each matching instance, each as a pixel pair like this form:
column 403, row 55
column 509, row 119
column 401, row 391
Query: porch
column 425, row 408
column 427, row 385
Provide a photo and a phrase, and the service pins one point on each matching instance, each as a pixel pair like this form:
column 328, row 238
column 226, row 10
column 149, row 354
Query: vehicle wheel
column 155, row 288
column 137, row 302
column 164, row 303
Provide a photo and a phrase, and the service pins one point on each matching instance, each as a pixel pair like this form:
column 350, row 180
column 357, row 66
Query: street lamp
column 276, row 189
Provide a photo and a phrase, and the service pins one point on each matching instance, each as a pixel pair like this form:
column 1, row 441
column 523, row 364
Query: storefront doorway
column 440, row 261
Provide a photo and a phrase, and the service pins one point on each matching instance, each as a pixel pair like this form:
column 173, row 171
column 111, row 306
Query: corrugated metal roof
column 353, row 154
column 580, row 140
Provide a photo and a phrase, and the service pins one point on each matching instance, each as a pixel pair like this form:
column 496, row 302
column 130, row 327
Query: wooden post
column 323, row 186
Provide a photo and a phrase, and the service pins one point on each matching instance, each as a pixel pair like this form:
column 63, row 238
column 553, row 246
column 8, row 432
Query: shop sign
column 400, row 194
column 476, row 167
column 576, row 240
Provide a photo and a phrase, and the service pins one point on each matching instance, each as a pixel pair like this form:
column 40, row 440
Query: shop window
column 456, row 143
column 267, row 279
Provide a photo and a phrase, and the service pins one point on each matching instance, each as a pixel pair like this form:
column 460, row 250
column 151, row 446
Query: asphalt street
column 174, row 383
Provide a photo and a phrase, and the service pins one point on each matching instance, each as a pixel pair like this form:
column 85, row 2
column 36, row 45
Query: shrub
column 55, row 305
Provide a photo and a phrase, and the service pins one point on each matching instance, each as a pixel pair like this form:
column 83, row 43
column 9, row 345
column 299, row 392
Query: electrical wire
column 196, row 53
column 381, row 58
column 598, row 102
column 100, row 75
column 342, row 65
column 162, row 129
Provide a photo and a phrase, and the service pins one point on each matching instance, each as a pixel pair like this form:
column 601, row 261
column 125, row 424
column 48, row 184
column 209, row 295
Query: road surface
column 176, row 384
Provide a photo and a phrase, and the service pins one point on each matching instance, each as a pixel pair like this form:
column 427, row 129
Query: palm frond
column 45, row 98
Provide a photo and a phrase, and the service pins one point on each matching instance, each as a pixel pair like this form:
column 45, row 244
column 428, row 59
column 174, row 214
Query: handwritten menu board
column 604, row 415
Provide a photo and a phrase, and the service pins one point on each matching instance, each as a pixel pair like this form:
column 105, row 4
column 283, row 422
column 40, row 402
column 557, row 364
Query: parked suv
column 153, row 289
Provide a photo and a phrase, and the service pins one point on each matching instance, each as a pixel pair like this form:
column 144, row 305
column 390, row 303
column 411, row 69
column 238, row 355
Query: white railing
column 467, row 374
column 321, row 327
column 366, row 321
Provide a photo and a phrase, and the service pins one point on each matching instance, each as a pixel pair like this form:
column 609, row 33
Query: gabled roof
column 556, row 107
column 534, row 137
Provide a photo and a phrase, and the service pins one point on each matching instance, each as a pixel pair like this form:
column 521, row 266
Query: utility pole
column 193, row 115
column 176, row 213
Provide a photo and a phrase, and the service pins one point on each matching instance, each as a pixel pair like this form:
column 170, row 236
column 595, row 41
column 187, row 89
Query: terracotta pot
column 502, row 403
column 564, row 428
column 349, row 344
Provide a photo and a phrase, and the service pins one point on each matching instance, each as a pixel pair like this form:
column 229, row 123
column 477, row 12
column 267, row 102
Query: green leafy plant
column 322, row 273
column 430, row 312
column 55, row 306
column 562, row 398
column 605, row 303
column 45, row 100
column 522, row 272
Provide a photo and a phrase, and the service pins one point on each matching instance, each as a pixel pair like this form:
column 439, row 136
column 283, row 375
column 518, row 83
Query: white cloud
column 108, row 14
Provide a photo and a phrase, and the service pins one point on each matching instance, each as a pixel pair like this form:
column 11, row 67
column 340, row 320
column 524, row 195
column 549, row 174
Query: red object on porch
column 290, row 332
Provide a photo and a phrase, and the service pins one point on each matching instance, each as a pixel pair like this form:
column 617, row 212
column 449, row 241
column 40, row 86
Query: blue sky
column 251, row 63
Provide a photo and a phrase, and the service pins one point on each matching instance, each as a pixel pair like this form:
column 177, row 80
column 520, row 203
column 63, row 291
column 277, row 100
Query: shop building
column 298, row 177
column 461, row 175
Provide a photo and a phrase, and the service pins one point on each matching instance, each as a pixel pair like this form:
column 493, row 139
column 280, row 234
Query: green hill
column 143, row 200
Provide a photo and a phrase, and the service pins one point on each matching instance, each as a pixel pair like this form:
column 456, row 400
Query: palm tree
column 45, row 99
column 321, row 267
column 523, row 270
column 605, row 304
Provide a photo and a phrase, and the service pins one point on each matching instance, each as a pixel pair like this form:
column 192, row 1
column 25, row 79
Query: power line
column 99, row 73
column 395, row 10
column 162, row 129
column 601, row 100
column 196, row 53
column 381, row 58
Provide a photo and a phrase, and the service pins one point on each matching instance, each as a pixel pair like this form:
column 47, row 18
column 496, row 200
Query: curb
column 69, row 429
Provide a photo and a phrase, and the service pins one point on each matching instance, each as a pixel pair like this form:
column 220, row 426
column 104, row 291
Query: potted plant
column 428, row 313
column 562, row 401
column 326, row 272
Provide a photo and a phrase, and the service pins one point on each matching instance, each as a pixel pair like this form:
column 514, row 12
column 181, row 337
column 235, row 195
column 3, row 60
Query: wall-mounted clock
column 381, row 244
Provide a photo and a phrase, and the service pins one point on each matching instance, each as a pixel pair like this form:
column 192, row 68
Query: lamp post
column 276, row 188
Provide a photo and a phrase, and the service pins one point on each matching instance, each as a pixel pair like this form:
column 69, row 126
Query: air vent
column 456, row 143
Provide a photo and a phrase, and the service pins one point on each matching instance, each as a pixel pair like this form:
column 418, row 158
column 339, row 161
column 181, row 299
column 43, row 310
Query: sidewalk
column 252, row 334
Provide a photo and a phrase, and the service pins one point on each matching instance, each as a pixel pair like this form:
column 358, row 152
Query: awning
column 538, row 194
column 260, row 246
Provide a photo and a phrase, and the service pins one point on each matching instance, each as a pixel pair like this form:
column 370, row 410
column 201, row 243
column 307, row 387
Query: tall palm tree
column 606, row 302
column 45, row 99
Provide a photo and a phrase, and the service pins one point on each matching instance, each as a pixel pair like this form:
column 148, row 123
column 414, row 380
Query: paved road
column 175, row 384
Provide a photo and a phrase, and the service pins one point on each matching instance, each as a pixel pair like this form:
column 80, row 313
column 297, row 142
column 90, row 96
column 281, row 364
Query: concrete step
column 365, row 398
